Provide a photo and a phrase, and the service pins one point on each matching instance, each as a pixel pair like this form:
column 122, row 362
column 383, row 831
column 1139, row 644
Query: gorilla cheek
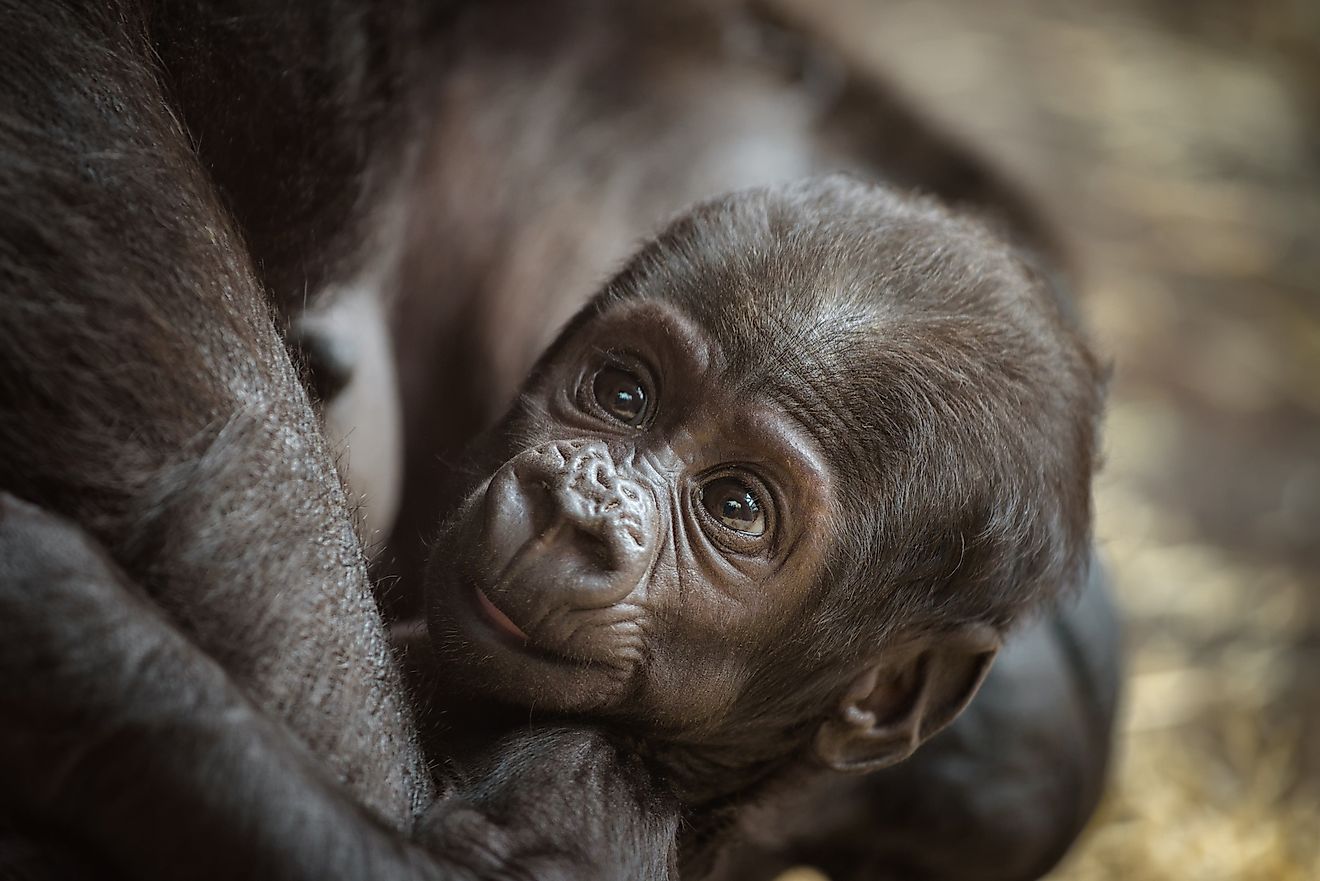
column 691, row 691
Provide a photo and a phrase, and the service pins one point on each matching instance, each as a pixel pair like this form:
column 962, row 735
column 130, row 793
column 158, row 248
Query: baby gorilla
column 773, row 499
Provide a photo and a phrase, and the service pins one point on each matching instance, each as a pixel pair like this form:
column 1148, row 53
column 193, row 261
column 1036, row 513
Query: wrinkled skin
column 564, row 133
column 636, row 113
column 184, row 460
column 691, row 523
column 679, row 595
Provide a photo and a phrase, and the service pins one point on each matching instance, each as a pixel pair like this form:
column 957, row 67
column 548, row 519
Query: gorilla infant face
column 797, row 465
column 658, row 524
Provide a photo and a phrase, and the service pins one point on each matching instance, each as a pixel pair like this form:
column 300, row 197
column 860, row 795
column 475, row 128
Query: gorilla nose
column 589, row 529
column 585, row 500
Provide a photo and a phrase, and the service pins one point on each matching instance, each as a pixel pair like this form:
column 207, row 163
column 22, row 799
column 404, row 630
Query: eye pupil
column 620, row 394
column 734, row 505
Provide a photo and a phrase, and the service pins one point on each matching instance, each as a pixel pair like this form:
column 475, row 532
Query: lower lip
column 504, row 632
column 498, row 619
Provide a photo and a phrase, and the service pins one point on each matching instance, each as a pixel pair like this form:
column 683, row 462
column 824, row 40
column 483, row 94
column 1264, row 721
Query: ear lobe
column 899, row 701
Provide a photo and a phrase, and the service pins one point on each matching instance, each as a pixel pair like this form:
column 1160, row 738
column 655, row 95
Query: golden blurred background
column 1176, row 144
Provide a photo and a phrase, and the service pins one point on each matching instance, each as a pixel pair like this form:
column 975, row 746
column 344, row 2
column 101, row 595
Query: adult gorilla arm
column 114, row 725
column 119, row 732
column 148, row 694
column 145, row 394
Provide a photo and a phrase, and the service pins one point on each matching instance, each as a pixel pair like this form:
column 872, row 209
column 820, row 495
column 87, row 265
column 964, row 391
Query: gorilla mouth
column 498, row 619
column 501, row 628
column 509, row 634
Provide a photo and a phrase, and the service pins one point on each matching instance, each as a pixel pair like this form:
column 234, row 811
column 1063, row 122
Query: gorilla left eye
column 620, row 394
column 734, row 504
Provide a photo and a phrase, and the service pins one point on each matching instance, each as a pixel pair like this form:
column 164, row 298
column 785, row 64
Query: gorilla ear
column 900, row 700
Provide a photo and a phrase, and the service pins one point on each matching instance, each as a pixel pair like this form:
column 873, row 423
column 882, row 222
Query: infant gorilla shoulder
column 781, row 487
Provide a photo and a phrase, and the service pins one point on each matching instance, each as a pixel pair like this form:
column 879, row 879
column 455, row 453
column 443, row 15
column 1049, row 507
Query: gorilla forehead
column 931, row 366
column 866, row 314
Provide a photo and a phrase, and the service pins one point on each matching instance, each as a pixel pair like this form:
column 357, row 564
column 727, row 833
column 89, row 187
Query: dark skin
column 566, row 132
column 688, row 524
column 138, row 403
column 622, row 142
column 887, row 679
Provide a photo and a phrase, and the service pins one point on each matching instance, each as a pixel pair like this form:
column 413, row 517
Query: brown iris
column 734, row 504
column 620, row 394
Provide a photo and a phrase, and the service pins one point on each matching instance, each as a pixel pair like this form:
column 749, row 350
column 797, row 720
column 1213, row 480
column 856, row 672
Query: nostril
column 593, row 548
column 539, row 508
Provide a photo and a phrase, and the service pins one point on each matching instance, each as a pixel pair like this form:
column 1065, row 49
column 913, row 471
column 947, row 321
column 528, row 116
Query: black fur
column 173, row 178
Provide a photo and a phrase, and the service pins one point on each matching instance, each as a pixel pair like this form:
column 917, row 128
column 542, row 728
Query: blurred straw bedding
column 1177, row 146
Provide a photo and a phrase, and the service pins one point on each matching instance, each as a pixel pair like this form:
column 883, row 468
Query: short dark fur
column 931, row 360
column 117, row 728
column 1000, row 796
column 162, row 703
column 934, row 365
column 144, row 395
column 515, row 238
column 954, row 404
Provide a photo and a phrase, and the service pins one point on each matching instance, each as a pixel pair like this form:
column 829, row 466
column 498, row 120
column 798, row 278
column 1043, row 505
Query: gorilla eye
column 734, row 504
column 620, row 394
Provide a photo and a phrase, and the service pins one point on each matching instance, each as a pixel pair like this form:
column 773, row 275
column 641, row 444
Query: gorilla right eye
column 734, row 505
column 620, row 394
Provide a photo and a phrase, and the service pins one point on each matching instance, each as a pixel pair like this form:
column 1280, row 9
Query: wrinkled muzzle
column 565, row 529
